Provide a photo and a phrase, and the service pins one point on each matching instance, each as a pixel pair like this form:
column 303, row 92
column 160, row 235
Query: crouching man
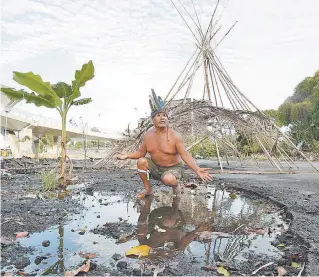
column 168, row 154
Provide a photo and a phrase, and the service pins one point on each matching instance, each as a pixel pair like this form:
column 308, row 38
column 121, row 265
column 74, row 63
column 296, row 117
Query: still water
column 210, row 226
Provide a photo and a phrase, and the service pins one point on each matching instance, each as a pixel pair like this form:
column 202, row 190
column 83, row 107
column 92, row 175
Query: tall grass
column 49, row 180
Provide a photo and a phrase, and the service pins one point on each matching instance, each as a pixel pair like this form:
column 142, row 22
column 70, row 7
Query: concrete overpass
column 19, row 124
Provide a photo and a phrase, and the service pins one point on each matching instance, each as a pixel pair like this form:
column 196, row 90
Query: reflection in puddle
column 169, row 226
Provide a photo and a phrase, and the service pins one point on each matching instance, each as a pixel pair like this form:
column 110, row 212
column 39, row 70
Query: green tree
column 46, row 141
column 284, row 113
column 301, row 111
column 273, row 114
column 60, row 96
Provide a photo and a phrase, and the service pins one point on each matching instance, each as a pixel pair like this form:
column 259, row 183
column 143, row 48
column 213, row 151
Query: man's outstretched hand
column 121, row 156
column 203, row 173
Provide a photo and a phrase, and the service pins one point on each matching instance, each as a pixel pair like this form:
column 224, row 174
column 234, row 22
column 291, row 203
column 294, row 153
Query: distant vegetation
column 301, row 113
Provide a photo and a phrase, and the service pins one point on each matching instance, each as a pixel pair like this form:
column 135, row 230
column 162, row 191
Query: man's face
column 160, row 120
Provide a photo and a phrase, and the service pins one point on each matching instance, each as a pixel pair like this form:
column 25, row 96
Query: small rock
column 72, row 230
column 283, row 262
column 82, row 233
column 148, row 272
column 116, row 257
column 39, row 259
column 120, row 218
column 98, row 216
column 22, row 263
column 95, row 242
column 46, row 243
column 137, row 272
column 122, row 265
column 100, row 200
column 5, row 241
column 170, row 245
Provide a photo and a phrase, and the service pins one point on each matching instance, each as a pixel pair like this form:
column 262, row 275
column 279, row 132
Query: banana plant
column 60, row 96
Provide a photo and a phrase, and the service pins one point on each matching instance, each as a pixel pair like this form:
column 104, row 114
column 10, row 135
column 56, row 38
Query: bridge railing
column 39, row 120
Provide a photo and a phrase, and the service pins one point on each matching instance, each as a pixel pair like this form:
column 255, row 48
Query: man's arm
column 188, row 159
column 141, row 152
column 186, row 156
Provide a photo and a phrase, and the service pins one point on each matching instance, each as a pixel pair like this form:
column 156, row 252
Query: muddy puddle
column 205, row 227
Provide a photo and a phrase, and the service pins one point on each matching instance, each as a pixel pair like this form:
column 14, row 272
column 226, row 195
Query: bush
column 315, row 144
column 205, row 149
column 49, row 180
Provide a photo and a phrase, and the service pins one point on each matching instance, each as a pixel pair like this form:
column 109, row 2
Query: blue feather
column 161, row 102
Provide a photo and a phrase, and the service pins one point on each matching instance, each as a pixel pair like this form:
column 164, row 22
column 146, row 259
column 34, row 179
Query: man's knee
column 169, row 179
column 142, row 163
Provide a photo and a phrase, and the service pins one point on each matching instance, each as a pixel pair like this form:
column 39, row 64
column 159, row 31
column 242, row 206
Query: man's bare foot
column 144, row 194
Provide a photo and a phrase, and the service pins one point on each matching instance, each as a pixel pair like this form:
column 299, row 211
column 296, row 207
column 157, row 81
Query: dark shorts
column 157, row 172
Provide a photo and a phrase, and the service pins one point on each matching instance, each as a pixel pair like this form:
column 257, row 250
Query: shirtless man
column 167, row 152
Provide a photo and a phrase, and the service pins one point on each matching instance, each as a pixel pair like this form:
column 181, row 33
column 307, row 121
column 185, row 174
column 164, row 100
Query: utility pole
column 84, row 127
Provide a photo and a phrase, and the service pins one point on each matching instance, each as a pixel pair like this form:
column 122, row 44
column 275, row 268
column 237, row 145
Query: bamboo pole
column 199, row 29
column 218, row 156
column 206, row 80
column 196, row 143
column 229, row 85
column 266, row 152
column 221, row 77
column 288, row 156
column 274, row 154
column 284, row 157
column 180, row 74
column 190, row 82
column 221, row 100
column 210, row 22
column 186, row 79
column 185, row 22
column 211, row 78
column 225, row 35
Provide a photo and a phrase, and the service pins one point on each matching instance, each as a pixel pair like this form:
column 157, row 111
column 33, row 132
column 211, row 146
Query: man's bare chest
column 161, row 145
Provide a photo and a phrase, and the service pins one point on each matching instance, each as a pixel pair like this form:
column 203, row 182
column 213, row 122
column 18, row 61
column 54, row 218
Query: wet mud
column 205, row 230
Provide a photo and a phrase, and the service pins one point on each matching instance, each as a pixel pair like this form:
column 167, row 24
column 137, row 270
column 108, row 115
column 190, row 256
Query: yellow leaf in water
column 281, row 245
column 233, row 195
column 141, row 251
column 223, row 271
column 295, row 265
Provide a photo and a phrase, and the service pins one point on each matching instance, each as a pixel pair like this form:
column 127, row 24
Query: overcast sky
column 138, row 45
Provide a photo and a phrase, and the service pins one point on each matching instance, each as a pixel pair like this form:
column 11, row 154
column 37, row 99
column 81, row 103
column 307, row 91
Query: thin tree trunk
column 63, row 153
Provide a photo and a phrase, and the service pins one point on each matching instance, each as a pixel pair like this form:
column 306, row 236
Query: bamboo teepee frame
column 222, row 107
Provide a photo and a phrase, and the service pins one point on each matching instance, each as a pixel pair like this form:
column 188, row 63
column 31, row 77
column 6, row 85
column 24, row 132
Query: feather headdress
column 156, row 103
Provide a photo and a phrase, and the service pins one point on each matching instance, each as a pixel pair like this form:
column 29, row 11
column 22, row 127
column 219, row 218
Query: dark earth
column 24, row 207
